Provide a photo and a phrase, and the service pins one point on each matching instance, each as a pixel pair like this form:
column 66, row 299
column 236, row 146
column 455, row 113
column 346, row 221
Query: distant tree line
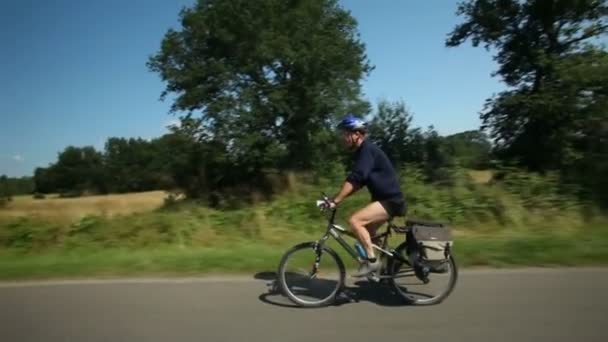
column 125, row 165
column 202, row 169
column 262, row 88
column 11, row 186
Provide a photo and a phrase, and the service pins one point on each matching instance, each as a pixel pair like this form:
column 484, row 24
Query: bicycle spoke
column 419, row 287
column 310, row 279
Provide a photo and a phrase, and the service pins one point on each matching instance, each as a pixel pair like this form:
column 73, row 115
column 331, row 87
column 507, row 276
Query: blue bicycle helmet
column 352, row 123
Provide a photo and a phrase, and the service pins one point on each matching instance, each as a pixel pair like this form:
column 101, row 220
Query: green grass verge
column 122, row 262
column 539, row 250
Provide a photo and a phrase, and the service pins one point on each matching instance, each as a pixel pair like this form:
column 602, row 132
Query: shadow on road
column 362, row 291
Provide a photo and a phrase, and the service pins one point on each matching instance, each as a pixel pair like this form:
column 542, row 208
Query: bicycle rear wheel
column 304, row 285
column 422, row 288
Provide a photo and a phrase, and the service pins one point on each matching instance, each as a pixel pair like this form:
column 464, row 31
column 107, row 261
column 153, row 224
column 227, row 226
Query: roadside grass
column 524, row 221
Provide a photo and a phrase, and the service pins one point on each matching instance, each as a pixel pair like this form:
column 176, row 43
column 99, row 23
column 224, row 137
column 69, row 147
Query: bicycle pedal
column 373, row 278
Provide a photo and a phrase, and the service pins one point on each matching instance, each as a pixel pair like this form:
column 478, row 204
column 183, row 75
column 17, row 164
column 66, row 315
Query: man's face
column 350, row 139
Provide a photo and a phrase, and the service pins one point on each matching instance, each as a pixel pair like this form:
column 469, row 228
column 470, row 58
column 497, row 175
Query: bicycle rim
column 414, row 290
column 302, row 284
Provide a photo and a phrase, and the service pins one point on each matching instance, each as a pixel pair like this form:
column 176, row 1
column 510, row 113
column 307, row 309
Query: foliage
column 520, row 218
column 514, row 201
column 12, row 186
column 554, row 115
column 136, row 165
column 261, row 88
column 267, row 79
column 5, row 193
column 77, row 169
column 469, row 149
column 391, row 128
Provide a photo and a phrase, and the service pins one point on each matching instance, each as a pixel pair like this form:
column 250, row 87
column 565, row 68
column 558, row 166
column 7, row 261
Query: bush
column 27, row 234
column 513, row 198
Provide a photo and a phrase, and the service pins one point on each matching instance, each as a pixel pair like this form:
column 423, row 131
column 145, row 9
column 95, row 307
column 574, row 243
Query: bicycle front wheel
column 307, row 285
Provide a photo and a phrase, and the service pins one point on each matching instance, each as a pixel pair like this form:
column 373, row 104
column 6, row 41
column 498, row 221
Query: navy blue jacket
column 373, row 169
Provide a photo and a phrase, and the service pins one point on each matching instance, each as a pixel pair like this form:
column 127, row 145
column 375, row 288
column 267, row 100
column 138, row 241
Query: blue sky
column 73, row 72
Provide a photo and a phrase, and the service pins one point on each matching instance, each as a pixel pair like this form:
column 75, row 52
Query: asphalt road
column 525, row 305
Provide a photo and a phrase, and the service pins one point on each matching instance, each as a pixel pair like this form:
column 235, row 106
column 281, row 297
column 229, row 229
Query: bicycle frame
column 395, row 261
column 336, row 231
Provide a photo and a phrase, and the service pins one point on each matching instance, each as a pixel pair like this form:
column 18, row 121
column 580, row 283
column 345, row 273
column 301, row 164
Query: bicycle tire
column 304, row 303
column 394, row 268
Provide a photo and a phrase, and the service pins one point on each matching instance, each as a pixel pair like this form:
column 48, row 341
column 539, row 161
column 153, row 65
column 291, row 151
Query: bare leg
column 372, row 216
column 372, row 228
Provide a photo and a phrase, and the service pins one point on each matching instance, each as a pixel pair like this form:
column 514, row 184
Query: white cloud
column 18, row 158
column 172, row 122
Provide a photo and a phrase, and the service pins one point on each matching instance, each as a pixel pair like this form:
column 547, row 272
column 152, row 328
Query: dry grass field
column 58, row 209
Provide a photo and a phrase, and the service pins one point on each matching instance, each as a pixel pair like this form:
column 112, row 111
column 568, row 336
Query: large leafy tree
column 265, row 79
column 391, row 128
column 543, row 47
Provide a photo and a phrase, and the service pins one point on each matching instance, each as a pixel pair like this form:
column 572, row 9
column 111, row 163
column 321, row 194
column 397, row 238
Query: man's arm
column 357, row 178
column 348, row 188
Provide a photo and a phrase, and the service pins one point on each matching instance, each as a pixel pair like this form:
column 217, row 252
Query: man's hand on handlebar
column 326, row 203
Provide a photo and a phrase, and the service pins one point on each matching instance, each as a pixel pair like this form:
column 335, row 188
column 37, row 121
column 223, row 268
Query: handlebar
column 325, row 200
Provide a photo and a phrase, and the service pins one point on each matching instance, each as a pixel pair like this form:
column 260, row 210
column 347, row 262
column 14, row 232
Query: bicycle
column 403, row 262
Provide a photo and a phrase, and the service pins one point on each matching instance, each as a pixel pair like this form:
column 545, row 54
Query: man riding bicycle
column 373, row 169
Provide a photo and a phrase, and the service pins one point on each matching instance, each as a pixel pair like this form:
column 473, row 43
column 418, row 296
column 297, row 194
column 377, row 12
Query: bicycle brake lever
column 325, row 197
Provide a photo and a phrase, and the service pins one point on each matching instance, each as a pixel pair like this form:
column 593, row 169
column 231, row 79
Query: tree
column 263, row 81
column 536, row 42
column 44, row 180
column 391, row 129
column 10, row 186
column 436, row 156
column 135, row 165
column 471, row 149
column 554, row 115
column 192, row 164
column 79, row 169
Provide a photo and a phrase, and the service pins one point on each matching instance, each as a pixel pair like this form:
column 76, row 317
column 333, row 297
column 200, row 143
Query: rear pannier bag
column 433, row 240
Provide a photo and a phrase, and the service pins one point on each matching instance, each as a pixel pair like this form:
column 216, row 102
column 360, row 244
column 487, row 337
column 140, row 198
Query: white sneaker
column 367, row 268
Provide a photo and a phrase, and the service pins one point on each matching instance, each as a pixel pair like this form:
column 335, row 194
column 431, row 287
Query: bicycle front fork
column 318, row 248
